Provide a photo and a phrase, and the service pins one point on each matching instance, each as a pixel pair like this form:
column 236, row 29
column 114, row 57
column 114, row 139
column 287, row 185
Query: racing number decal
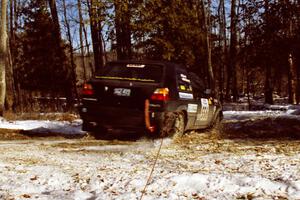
column 203, row 115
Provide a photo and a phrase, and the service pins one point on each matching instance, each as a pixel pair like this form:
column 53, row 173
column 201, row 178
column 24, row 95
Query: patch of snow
column 242, row 115
column 229, row 185
column 277, row 107
column 81, row 195
column 44, row 126
column 287, row 111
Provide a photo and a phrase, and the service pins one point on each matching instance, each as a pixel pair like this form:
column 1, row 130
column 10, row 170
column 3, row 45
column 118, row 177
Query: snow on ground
column 197, row 166
column 62, row 127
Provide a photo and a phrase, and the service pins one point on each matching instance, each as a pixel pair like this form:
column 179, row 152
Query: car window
column 132, row 72
column 198, row 85
column 183, row 82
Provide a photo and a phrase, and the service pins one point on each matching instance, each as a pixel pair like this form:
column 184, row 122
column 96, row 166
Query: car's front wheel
column 217, row 121
column 86, row 126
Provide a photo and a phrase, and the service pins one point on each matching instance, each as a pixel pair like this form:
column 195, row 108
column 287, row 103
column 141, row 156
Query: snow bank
column 44, row 126
column 279, row 121
column 287, row 111
column 243, row 115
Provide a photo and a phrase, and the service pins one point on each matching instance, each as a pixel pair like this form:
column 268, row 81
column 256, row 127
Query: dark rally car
column 156, row 97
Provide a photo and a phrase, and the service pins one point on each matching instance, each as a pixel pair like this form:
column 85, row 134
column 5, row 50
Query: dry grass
column 41, row 116
column 87, row 143
column 8, row 134
column 217, row 142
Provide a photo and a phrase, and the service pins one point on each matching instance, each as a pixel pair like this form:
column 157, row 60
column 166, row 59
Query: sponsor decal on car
column 192, row 108
column 184, row 95
column 184, row 78
column 182, row 87
column 135, row 66
column 203, row 115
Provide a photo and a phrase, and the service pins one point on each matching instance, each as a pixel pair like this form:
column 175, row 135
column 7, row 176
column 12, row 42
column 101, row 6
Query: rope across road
column 152, row 169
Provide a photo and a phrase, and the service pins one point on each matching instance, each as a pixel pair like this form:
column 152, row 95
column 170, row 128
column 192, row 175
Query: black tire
column 99, row 133
column 173, row 125
column 179, row 125
column 85, row 126
column 217, row 122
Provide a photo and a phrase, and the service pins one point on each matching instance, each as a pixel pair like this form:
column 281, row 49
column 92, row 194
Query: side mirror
column 207, row 91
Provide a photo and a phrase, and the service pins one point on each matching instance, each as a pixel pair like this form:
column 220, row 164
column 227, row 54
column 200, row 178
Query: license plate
column 124, row 92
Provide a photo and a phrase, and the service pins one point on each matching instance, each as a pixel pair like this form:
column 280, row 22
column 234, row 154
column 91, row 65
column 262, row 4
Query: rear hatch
column 127, row 85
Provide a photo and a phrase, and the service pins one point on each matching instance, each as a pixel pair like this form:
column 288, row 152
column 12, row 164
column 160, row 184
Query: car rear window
column 133, row 72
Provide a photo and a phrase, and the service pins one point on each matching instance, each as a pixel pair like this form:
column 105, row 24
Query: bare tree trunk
column 298, row 82
column 19, row 98
column 208, row 45
column 292, row 80
column 123, row 30
column 87, row 44
column 10, row 86
column 95, row 32
column 3, row 54
column 73, row 66
column 268, row 85
column 223, row 44
column 268, row 79
column 91, row 66
column 81, row 38
column 292, row 73
column 232, row 67
column 54, row 15
column 248, row 89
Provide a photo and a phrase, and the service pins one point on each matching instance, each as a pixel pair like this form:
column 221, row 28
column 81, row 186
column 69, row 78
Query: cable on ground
column 152, row 169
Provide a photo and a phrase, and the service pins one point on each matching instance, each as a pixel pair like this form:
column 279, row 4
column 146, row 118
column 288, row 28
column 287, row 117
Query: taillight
column 87, row 89
column 160, row 94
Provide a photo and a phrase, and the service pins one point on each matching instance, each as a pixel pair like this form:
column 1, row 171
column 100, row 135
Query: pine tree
column 43, row 62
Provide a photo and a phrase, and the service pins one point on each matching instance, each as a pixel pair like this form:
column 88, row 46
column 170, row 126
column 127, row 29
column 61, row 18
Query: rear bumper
column 116, row 118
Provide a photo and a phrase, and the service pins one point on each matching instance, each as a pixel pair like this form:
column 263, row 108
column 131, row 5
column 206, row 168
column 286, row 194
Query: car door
column 203, row 112
column 198, row 109
column 186, row 97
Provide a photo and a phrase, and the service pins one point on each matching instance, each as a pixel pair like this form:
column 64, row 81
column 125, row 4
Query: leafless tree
column 3, row 54
column 231, row 88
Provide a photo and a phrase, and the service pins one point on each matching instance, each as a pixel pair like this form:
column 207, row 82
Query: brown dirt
column 8, row 134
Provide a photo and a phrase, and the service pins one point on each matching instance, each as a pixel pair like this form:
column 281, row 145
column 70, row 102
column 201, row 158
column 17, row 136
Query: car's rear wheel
column 173, row 125
column 179, row 125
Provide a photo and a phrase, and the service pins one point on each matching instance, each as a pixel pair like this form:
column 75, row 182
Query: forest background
column 239, row 48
